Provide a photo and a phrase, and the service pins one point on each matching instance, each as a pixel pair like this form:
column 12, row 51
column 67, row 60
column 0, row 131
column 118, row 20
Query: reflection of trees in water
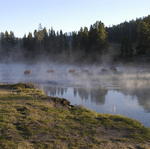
column 137, row 85
column 82, row 93
column 55, row 91
column 96, row 95
column 142, row 94
column 144, row 99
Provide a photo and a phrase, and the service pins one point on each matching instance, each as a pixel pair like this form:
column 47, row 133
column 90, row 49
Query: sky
column 23, row 16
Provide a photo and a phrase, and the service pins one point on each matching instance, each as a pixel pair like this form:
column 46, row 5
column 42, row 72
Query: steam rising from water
column 126, row 78
column 110, row 89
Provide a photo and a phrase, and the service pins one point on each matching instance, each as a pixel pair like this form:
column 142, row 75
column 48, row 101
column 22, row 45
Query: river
column 124, row 91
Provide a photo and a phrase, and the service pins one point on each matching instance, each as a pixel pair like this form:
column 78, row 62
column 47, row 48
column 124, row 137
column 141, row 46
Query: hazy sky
column 23, row 16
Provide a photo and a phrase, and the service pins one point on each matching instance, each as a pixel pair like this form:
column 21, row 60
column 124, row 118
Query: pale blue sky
column 23, row 16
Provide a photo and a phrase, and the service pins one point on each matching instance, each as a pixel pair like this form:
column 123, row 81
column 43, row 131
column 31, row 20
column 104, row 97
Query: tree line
column 85, row 45
column 133, row 37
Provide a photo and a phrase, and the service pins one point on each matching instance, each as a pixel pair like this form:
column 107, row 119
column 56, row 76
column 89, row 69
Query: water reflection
column 96, row 95
column 53, row 91
column 143, row 96
column 131, row 103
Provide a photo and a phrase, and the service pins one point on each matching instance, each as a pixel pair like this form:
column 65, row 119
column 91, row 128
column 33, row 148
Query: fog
column 116, row 88
column 87, row 76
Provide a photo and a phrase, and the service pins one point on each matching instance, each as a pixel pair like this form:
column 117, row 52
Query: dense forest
column 126, row 41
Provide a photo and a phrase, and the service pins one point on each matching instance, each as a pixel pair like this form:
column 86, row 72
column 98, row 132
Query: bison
column 27, row 72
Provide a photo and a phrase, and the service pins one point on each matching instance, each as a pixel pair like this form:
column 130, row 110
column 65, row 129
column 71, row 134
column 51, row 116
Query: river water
column 124, row 91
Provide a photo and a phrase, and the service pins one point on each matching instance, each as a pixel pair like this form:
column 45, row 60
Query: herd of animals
column 112, row 69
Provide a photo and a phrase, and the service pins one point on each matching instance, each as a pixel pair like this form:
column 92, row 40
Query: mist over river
column 115, row 89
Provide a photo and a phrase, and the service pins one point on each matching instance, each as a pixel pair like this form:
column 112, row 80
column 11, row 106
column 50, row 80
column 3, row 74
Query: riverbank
column 31, row 120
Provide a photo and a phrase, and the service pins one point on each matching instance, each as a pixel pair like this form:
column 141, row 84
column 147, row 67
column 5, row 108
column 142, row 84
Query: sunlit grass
column 31, row 120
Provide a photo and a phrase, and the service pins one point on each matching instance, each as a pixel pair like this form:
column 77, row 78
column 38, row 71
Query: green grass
column 31, row 120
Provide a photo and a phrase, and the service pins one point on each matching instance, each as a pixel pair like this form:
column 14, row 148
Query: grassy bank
column 31, row 120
